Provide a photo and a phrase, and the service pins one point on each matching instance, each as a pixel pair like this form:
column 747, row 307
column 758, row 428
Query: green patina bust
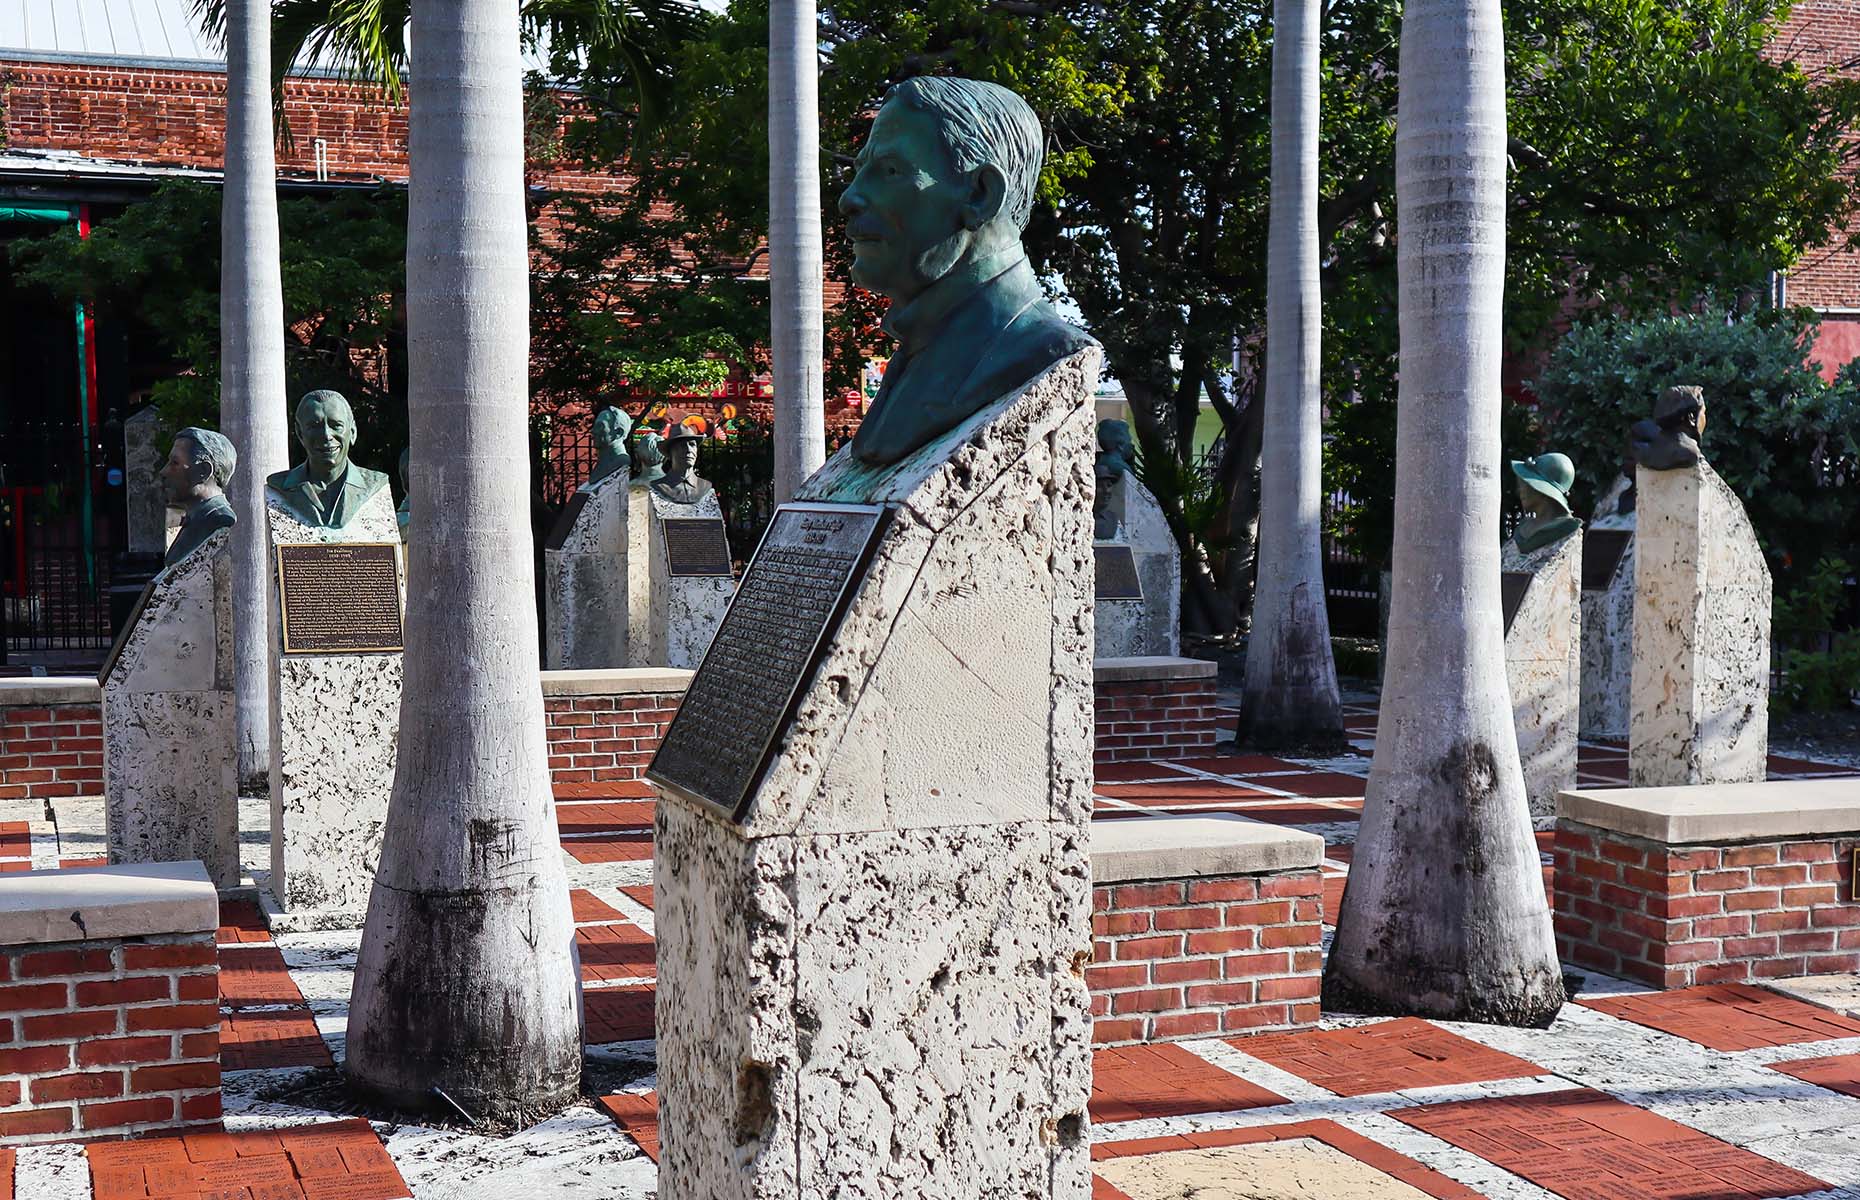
column 1117, row 451
column 1671, row 439
column 1543, row 489
column 199, row 467
column 680, row 482
column 944, row 187
column 326, row 490
column 649, row 453
column 611, row 428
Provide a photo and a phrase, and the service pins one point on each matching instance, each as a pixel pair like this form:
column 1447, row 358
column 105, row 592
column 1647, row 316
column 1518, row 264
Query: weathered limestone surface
column 873, row 985
column 585, row 584
column 1152, row 625
column 1608, row 628
column 145, row 448
column 686, row 610
column 639, row 578
column 1543, row 659
column 1701, row 635
column 170, row 762
column 335, row 725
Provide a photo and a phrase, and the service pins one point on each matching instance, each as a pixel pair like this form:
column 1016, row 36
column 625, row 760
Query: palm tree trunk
column 1291, row 698
column 1444, row 913
column 253, row 406
column 466, row 981
column 795, row 267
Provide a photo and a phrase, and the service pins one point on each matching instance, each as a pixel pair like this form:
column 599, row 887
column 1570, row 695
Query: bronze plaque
column 565, row 524
column 696, row 546
column 1117, row 573
column 340, row 597
column 759, row 664
column 1512, row 586
column 1602, row 550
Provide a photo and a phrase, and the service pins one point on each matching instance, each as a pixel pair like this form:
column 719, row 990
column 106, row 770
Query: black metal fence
column 55, row 591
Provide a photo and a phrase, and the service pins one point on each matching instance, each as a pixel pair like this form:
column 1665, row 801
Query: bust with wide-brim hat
column 1543, row 489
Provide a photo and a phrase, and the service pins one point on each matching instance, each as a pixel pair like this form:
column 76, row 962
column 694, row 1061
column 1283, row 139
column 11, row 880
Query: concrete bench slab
column 91, row 903
column 617, row 681
column 1722, row 812
column 1178, row 847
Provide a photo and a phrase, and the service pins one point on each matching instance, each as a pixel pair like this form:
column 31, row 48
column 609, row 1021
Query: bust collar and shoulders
column 297, row 493
column 206, row 518
column 681, row 489
column 963, row 342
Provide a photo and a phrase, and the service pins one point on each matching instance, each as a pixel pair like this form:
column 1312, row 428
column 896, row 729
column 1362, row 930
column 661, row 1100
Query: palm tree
column 252, row 389
column 1444, row 913
column 1291, row 698
column 466, row 985
column 796, row 271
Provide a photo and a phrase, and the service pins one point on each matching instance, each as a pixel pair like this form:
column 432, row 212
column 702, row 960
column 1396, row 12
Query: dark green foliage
column 1820, row 667
column 156, row 265
column 1784, row 439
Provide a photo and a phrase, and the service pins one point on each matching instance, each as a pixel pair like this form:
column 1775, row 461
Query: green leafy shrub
column 1786, row 440
column 1816, row 678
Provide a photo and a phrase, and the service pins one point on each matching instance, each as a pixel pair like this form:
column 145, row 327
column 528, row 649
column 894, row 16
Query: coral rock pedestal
column 873, row 923
column 585, row 580
column 1701, row 635
column 1543, row 652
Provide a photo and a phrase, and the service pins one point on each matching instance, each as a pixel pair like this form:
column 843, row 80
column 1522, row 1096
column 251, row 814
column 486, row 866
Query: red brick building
column 1824, row 35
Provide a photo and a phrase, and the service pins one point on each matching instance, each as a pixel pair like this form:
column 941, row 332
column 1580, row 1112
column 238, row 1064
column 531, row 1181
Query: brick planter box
column 1150, row 708
column 51, row 738
column 605, row 726
column 1712, row 884
column 112, row 1029
column 1203, row 926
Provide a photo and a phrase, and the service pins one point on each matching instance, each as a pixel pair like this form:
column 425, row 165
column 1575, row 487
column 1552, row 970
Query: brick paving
column 344, row 1160
column 1758, row 1092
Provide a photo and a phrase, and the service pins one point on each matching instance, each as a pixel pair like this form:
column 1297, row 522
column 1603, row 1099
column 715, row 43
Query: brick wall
column 47, row 752
column 107, row 1038
column 606, row 739
column 1156, row 718
column 1674, row 916
column 1186, row 958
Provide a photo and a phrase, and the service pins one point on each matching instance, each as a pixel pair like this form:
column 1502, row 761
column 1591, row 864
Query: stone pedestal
column 585, row 581
column 685, row 609
column 1608, row 614
column 170, row 762
column 1701, row 674
column 1543, row 644
column 1151, row 626
column 152, row 524
column 335, row 722
column 871, row 968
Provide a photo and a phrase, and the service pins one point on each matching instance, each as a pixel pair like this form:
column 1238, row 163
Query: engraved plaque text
column 340, row 597
column 696, row 546
column 786, row 608
column 1117, row 573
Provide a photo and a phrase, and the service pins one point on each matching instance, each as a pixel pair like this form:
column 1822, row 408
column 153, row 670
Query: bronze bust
column 611, row 427
column 681, row 484
column 1671, row 439
column 649, row 453
column 326, row 490
column 1116, row 452
column 944, row 187
column 1543, row 489
column 199, row 467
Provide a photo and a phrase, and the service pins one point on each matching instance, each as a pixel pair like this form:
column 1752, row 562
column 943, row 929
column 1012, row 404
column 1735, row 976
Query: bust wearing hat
column 1543, row 489
column 1671, row 439
column 681, row 484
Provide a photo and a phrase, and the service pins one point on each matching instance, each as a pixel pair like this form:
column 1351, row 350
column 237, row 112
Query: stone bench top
column 87, row 903
column 1182, row 847
column 617, row 681
column 1721, row 812
column 1148, row 668
column 47, row 691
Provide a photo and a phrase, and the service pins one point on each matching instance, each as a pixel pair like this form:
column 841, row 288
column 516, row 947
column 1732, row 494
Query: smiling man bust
column 944, row 187
column 326, row 490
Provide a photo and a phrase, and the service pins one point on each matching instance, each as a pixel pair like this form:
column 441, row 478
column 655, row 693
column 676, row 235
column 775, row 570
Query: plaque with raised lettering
column 1512, row 586
column 1602, row 551
column 340, row 597
column 565, row 523
column 696, row 546
column 1117, row 573
column 787, row 607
